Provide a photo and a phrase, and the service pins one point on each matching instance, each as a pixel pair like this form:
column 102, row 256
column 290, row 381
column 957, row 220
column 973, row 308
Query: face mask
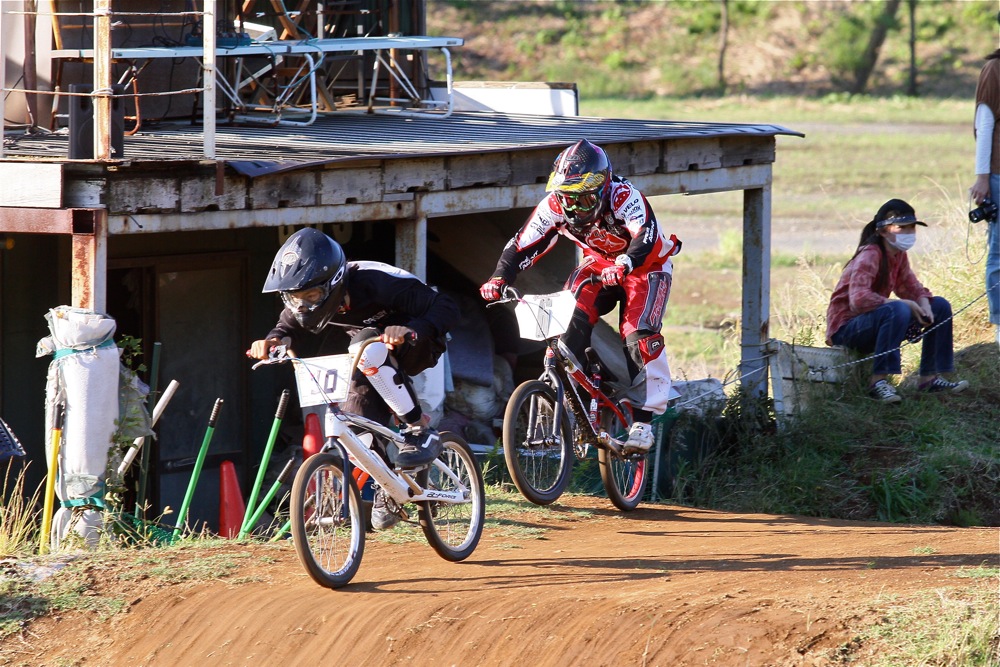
column 903, row 242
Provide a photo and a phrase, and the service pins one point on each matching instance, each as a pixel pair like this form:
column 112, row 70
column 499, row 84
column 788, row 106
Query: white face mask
column 903, row 242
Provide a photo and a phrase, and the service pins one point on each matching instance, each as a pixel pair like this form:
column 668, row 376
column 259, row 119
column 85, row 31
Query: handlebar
column 509, row 293
column 279, row 355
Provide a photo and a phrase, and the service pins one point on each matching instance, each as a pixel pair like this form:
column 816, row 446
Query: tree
column 911, row 87
column 864, row 68
column 723, row 44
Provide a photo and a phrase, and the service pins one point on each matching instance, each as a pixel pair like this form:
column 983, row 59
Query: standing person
column 625, row 247
column 987, row 185
column 861, row 315
column 331, row 303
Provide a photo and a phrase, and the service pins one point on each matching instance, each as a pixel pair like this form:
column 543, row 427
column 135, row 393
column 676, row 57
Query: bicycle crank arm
column 605, row 440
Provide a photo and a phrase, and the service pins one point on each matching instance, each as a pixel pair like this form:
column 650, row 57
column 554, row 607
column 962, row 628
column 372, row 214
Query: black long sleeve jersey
column 378, row 295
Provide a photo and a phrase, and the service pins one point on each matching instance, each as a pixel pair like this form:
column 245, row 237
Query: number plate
column 544, row 316
column 322, row 380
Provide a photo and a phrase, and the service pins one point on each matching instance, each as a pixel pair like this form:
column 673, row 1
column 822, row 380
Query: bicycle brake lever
column 276, row 355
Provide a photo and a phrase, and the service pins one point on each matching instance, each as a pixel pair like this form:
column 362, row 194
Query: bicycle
column 552, row 420
column 327, row 521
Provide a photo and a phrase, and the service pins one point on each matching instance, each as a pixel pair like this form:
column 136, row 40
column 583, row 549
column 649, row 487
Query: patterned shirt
column 855, row 293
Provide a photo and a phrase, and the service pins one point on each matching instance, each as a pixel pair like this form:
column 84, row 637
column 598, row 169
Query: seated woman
column 861, row 316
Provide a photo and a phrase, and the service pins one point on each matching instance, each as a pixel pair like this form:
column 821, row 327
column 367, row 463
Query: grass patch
column 946, row 627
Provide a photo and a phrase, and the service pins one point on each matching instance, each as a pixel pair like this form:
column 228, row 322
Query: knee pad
column 380, row 369
column 644, row 346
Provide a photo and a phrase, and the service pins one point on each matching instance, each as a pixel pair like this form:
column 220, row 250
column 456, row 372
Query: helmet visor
column 306, row 300
column 578, row 202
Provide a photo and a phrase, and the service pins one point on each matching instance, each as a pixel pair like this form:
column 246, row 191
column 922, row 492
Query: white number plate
column 544, row 316
column 323, row 379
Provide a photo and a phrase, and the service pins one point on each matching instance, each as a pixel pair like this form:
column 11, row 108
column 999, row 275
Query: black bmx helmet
column 309, row 272
column 581, row 181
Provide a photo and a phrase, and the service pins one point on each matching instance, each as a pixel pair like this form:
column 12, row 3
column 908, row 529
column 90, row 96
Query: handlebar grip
column 215, row 412
column 286, row 472
column 282, row 405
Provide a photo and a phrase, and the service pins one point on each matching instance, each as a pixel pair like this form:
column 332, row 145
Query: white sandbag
column 84, row 378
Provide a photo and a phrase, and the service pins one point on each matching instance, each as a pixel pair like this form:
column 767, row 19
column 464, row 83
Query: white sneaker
column 640, row 438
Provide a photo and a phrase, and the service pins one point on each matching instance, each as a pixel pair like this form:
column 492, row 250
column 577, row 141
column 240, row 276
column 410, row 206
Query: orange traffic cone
column 231, row 506
column 312, row 441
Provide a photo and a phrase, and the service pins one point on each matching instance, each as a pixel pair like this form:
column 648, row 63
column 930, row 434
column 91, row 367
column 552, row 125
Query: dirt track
column 581, row 584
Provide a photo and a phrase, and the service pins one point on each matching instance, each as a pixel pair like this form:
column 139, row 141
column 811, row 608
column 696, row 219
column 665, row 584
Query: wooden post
column 30, row 63
column 102, row 80
column 3, row 81
column 411, row 245
column 208, row 79
column 755, row 329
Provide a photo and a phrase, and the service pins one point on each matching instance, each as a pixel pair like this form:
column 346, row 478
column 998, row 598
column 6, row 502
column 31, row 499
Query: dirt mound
column 574, row 584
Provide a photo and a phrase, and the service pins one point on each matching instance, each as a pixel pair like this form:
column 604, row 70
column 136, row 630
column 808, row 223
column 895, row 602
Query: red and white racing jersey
column 629, row 227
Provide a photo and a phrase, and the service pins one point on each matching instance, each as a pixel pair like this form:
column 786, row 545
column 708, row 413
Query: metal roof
column 345, row 136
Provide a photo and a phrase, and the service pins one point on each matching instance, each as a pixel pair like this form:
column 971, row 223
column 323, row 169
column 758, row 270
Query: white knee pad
column 382, row 374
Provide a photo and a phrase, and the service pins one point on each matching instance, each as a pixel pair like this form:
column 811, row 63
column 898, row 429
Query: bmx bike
column 569, row 408
column 327, row 520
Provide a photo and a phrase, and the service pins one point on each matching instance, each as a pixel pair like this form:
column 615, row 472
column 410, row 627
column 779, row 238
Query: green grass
column 957, row 627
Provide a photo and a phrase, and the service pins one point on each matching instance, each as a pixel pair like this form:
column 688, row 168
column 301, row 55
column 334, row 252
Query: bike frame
column 353, row 452
column 400, row 485
column 557, row 367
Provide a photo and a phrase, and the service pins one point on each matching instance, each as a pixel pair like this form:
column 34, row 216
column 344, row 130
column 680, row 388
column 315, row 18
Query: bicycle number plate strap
column 544, row 316
column 321, row 380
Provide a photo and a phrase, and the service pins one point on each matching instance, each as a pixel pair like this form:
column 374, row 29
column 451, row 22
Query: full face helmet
column 581, row 181
column 309, row 272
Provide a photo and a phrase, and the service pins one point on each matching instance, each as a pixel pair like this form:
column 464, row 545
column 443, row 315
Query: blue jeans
column 993, row 255
column 884, row 328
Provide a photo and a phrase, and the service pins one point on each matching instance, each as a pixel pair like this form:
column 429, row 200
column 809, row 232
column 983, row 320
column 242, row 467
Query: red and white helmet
column 581, row 181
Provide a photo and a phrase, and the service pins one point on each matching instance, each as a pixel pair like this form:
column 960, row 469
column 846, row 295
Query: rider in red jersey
column 625, row 247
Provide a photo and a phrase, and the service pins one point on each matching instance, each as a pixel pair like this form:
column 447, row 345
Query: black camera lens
column 985, row 211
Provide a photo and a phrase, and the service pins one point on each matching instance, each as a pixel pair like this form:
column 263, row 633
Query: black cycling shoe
column 385, row 512
column 422, row 445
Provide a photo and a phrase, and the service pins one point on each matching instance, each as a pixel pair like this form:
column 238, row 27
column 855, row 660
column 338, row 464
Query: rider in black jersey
column 331, row 303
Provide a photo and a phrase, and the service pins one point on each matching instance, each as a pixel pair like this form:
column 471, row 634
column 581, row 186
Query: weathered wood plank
column 31, row 184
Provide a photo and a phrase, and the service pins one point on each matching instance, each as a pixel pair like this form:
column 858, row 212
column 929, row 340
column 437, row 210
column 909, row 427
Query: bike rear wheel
column 453, row 530
column 328, row 533
column 538, row 452
column 624, row 477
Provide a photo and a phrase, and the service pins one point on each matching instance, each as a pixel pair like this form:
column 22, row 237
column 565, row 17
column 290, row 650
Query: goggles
column 305, row 300
column 582, row 202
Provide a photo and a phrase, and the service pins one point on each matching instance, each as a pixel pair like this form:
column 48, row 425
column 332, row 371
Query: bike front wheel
column 538, row 452
column 453, row 529
column 328, row 527
column 625, row 477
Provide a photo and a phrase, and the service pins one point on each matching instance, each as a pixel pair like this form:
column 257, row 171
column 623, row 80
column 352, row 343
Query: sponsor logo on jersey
column 376, row 317
column 621, row 196
column 605, row 242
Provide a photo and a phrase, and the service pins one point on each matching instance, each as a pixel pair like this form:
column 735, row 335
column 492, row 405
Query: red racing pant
column 642, row 300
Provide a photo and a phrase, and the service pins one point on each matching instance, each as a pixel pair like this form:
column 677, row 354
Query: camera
column 985, row 211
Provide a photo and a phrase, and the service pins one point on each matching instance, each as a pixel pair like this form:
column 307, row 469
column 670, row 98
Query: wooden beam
column 20, row 220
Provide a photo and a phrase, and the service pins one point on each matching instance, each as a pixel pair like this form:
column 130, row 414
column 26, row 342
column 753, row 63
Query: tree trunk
column 911, row 88
column 723, row 44
column 882, row 24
